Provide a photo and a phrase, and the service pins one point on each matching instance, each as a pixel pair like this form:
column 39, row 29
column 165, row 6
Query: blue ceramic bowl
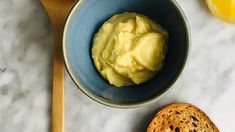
column 87, row 17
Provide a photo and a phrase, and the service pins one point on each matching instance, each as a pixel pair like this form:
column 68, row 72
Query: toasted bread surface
column 181, row 117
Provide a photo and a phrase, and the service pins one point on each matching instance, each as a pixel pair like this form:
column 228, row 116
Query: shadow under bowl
column 87, row 17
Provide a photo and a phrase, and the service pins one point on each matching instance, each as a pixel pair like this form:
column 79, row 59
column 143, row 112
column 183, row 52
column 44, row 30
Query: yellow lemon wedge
column 223, row 9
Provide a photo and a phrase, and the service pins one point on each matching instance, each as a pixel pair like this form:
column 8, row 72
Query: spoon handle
column 58, row 11
column 58, row 83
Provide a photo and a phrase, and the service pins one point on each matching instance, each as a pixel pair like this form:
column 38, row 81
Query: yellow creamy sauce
column 129, row 49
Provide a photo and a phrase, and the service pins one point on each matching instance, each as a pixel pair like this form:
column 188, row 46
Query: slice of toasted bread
column 181, row 117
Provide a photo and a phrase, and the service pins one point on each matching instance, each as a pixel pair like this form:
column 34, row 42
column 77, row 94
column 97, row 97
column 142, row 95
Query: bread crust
column 181, row 117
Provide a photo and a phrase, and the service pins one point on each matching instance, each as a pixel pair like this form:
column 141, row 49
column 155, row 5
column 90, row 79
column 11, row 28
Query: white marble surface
column 25, row 75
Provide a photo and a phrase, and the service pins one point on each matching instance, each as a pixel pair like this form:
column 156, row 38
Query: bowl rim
column 130, row 105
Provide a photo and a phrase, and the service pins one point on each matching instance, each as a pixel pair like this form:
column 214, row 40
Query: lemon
column 223, row 9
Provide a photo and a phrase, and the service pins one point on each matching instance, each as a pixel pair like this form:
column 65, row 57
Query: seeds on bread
column 181, row 117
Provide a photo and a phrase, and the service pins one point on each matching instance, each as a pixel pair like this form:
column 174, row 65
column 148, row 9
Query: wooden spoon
column 58, row 11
